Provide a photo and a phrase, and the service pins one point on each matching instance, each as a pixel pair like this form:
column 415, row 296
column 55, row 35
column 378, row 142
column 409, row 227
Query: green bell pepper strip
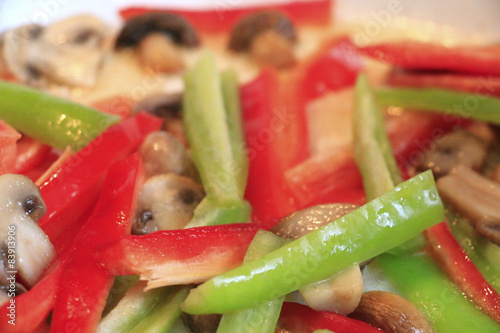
column 231, row 96
column 263, row 317
column 438, row 298
column 206, row 123
column 467, row 105
column 49, row 119
column 360, row 235
column 373, row 153
column 372, row 148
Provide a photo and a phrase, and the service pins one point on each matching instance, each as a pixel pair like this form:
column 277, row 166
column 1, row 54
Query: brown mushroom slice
column 391, row 313
column 166, row 202
column 456, row 148
column 340, row 293
column 476, row 197
column 20, row 207
column 268, row 36
column 159, row 39
column 202, row 323
column 496, row 174
column 162, row 153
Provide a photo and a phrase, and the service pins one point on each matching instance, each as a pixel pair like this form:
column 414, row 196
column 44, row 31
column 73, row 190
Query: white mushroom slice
column 166, row 202
column 85, row 30
column 21, row 206
column 340, row 293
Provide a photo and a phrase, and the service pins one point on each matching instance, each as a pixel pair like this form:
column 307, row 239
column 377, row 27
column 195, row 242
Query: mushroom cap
column 255, row 23
column 173, row 25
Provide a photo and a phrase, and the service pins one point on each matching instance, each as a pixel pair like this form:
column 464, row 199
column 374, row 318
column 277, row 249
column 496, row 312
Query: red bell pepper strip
column 84, row 283
column 221, row 17
column 182, row 256
column 426, row 56
column 30, row 153
column 276, row 135
column 334, row 67
column 28, row 311
column 73, row 189
column 462, row 271
column 470, row 83
column 297, row 317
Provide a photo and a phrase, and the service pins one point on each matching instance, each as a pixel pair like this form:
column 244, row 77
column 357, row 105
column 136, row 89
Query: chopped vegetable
column 296, row 317
column 183, row 256
column 209, row 136
column 370, row 230
column 462, row 271
column 52, row 120
column 84, row 283
column 263, row 317
column 467, row 105
column 435, row 295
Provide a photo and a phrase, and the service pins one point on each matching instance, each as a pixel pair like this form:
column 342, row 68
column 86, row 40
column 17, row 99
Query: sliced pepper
column 49, row 119
column 8, row 149
column 432, row 292
column 78, row 180
column 297, row 317
column 84, row 283
column 463, row 104
column 368, row 231
column 222, row 17
column 426, row 56
column 184, row 256
column 462, row 271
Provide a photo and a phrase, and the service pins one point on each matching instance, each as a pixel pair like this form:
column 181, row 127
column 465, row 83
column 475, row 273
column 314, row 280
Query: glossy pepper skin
column 440, row 301
column 79, row 179
column 84, row 283
column 370, row 230
column 180, row 256
column 51, row 120
column 461, row 270
column 297, row 317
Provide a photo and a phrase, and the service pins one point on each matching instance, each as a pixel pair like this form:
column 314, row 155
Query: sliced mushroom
column 202, row 323
column 476, row 197
column 340, row 293
column 166, row 202
column 456, row 148
column 21, row 206
column 168, row 107
column 496, row 174
column 163, row 153
column 68, row 52
column 268, row 36
column 391, row 313
column 158, row 37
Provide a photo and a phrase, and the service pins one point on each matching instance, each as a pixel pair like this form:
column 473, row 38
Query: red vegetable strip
column 462, row 271
column 32, row 307
column 221, row 17
column 296, row 317
column 84, row 283
column 426, row 56
column 489, row 86
column 179, row 256
column 30, row 153
column 8, row 148
column 72, row 190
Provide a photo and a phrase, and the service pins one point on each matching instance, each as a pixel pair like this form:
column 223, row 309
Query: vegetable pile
column 308, row 198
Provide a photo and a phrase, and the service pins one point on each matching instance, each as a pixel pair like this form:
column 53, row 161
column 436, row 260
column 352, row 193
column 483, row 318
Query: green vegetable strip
column 131, row 309
column 372, row 149
column 481, row 252
column 263, row 317
column 468, row 105
column 51, row 120
column 167, row 314
column 206, row 129
column 435, row 295
column 373, row 153
column 231, row 95
column 366, row 232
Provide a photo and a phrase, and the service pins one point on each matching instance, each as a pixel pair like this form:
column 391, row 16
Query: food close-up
column 253, row 167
